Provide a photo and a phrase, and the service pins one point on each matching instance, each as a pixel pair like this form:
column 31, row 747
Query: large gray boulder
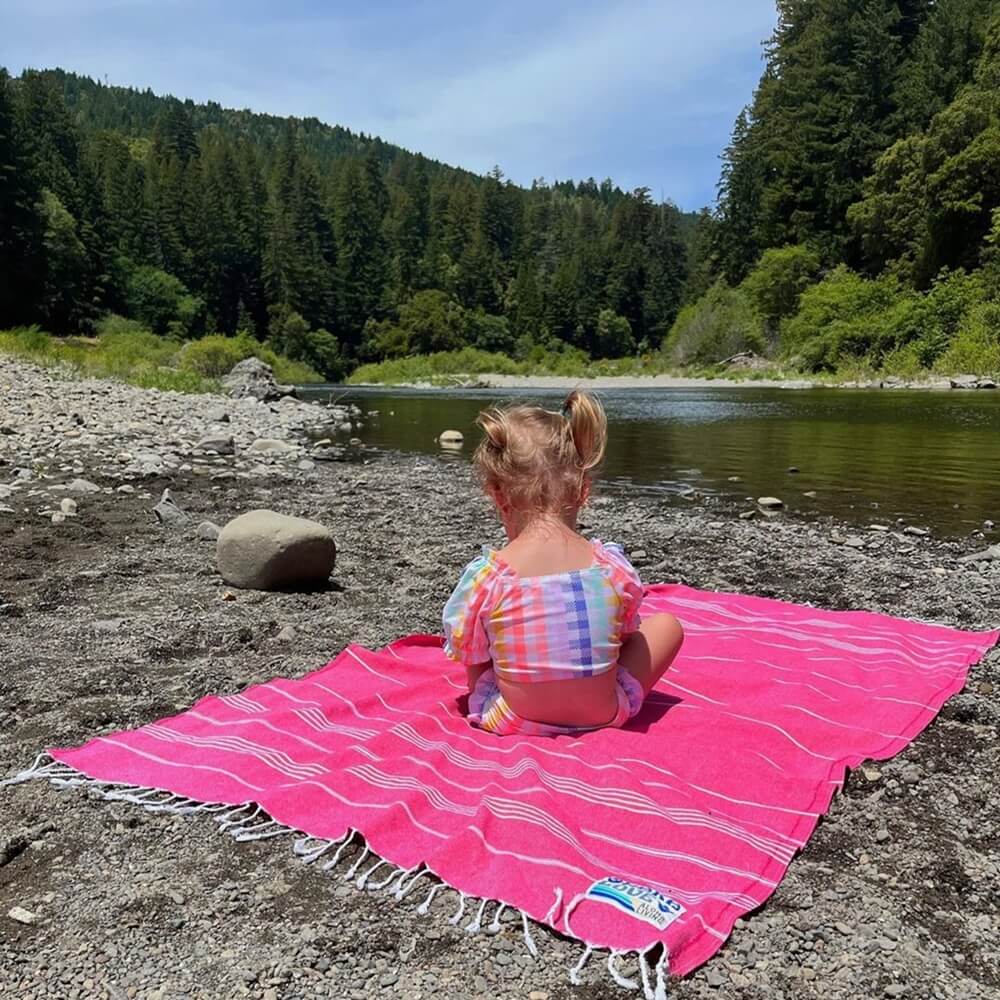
column 253, row 377
column 262, row 550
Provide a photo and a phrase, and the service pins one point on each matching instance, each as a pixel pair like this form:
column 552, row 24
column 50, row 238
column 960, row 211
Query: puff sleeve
column 627, row 583
column 465, row 638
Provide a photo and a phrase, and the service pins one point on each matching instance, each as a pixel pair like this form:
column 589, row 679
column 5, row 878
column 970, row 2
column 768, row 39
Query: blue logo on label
column 641, row 901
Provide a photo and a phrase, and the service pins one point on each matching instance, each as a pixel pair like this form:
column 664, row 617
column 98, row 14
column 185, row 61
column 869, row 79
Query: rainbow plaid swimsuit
column 543, row 628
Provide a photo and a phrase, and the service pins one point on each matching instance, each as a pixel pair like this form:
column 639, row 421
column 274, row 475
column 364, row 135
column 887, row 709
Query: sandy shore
column 109, row 619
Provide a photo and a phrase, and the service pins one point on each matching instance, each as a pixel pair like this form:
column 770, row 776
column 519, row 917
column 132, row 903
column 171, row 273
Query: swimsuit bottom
column 488, row 709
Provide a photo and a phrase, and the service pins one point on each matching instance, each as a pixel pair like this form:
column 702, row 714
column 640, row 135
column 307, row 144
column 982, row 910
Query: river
column 930, row 459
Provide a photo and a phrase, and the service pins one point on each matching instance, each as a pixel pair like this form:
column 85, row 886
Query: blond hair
column 542, row 461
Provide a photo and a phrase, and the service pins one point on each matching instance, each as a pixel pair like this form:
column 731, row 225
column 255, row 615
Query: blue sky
column 643, row 91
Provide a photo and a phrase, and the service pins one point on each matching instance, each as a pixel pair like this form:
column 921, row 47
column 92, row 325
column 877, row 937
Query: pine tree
column 22, row 259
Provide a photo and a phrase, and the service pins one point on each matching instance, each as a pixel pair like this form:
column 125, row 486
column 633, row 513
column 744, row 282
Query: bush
column 488, row 333
column 428, row 367
column 432, row 322
column 215, row 355
column 161, row 302
column 779, row 279
column 720, row 324
column 976, row 346
column 844, row 314
column 613, row 335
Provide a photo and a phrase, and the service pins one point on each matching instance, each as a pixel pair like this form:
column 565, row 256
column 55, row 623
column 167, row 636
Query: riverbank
column 110, row 619
column 735, row 380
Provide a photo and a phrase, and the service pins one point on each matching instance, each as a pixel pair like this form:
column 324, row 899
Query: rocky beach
column 113, row 614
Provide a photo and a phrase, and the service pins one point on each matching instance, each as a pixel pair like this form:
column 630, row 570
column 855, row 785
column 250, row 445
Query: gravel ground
column 109, row 619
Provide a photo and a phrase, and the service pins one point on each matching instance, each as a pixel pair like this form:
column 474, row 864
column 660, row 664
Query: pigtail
column 496, row 429
column 588, row 426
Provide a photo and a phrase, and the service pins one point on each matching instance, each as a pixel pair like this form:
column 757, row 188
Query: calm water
column 931, row 458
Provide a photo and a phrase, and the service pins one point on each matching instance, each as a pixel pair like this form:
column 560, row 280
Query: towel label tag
column 640, row 901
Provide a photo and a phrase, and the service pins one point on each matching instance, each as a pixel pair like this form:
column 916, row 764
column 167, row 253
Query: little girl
column 548, row 627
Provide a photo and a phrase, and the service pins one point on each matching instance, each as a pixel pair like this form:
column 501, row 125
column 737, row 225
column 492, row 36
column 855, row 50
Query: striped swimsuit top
column 543, row 628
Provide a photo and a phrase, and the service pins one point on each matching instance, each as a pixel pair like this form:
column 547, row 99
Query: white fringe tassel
column 249, row 822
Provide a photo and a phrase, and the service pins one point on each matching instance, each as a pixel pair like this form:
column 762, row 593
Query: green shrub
column 613, row 335
column 487, row 332
column 161, row 302
column 720, row 324
column 976, row 345
column 779, row 279
column 215, row 355
column 843, row 315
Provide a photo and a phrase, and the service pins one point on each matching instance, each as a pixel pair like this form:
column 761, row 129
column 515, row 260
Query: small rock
column 450, row 437
column 218, row 416
column 882, row 835
column 878, row 527
column 538, row 995
column 270, row 446
column 21, row 915
column 83, row 486
column 108, row 625
column 208, row 531
column 912, row 774
column 715, row 979
column 746, row 515
column 854, row 542
column 810, row 493
column 220, row 444
column 793, row 469
column 770, row 503
column 286, row 635
column 58, row 517
column 915, row 531
column 68, row 506
column 896, row 990
column 167, row 512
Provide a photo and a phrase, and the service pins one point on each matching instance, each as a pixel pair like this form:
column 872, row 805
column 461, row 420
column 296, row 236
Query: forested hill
column 334, row 247
column 858, row 215
column 97, row 107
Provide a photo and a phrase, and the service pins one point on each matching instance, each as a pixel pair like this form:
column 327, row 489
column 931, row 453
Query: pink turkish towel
column 667, row 830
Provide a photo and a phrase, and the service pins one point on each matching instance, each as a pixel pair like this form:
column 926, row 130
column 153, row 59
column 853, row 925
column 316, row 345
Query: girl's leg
column 648, row 653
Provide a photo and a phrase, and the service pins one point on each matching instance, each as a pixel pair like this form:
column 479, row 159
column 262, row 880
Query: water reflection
column 929, row 458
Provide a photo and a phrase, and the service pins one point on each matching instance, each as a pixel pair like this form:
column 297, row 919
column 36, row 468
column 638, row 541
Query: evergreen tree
column 22, row 260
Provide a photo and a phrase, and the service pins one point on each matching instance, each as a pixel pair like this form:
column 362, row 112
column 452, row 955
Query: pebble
column 68, row 506
column 21, row 915
column 82, row 486
column 882, row 835
column 208, row 531
column 287, row 634
column 896, row 990
column 770, row 503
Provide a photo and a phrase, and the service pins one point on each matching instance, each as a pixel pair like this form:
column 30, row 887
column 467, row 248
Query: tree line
column 858, row 203
column 335, row 247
